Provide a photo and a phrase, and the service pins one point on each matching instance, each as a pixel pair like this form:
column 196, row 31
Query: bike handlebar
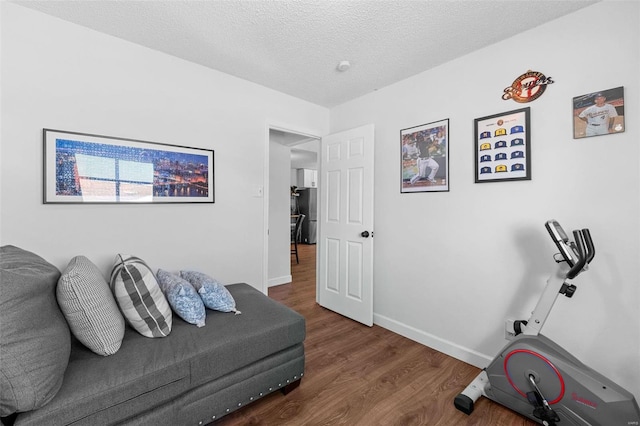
column 576, row 255
column 591, row 250
column 578, row 236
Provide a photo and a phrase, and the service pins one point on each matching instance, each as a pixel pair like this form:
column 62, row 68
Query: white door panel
column 345, row 267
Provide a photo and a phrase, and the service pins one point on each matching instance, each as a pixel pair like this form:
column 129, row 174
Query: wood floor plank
column 365, row 376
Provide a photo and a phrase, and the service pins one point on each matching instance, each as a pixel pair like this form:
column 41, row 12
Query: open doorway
column 289, row 152
column 342, row 223
column 304, row 188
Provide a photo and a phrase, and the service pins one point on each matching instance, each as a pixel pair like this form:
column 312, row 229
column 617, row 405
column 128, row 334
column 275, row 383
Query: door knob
column 365, row 234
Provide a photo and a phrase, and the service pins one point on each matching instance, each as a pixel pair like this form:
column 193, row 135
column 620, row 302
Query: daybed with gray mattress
column 193, row 376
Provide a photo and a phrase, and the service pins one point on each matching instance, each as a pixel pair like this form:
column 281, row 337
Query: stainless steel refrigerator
column 308, row 205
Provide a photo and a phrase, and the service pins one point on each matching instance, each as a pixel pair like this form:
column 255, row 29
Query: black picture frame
column 599, row 117
column 424, row 158
column 503, row 147
column 81, row 168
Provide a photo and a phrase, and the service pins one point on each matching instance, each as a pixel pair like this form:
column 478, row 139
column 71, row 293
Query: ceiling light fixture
column 343, row 66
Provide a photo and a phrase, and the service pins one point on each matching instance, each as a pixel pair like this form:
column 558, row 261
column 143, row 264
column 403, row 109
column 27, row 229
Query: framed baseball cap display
column 502, row 155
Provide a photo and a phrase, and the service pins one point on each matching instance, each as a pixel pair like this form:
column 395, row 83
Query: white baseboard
column 467, row 355
column 279, row 280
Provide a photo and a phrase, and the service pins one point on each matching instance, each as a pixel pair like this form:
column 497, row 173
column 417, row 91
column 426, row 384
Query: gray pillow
column 36, row 341
column 86, row 301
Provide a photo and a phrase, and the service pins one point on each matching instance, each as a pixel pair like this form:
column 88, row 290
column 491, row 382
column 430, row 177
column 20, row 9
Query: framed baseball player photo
column 424, row 158
column 598, row 113
column 503, row 147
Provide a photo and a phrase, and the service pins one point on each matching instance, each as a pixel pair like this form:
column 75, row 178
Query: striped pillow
column 88, row 305
column 139, row 297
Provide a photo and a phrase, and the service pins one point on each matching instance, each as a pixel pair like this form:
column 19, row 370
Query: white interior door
column 345, row 243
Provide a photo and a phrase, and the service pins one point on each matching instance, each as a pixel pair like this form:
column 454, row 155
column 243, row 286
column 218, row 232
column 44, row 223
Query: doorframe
column 287, row 128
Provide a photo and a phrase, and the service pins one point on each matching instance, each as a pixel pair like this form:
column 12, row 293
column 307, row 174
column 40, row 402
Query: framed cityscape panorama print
column 86, row 168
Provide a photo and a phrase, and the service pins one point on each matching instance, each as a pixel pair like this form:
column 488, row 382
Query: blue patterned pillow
column 182, row 297
column 214, row 295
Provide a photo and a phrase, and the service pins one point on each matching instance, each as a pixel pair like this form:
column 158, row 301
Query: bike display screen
column 567, row 249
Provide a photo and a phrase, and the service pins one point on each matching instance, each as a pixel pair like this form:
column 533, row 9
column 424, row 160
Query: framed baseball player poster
column 598, row 113
column 503, row 147
column 424, row 157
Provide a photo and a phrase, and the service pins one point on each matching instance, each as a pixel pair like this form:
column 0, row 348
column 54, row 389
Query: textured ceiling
column 295, row 46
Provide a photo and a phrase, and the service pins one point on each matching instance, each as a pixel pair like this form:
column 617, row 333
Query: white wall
column 451, row 267
column 467, row 259
column 279, row 212
column 63, row 76
column 304, row 156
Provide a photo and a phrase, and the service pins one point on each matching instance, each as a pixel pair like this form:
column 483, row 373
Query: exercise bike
column 535, row 377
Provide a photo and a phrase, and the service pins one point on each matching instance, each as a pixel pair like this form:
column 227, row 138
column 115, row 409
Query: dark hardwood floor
column 359, row 375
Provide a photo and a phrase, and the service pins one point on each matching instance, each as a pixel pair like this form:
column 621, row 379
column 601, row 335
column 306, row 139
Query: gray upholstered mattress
column 193, row 375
